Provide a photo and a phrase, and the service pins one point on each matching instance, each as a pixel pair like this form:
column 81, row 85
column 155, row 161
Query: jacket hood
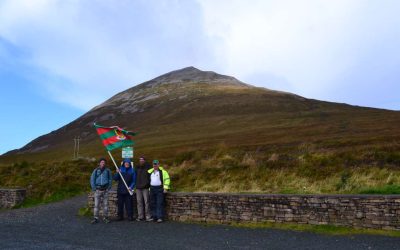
column 124, row 169
column 126, row 160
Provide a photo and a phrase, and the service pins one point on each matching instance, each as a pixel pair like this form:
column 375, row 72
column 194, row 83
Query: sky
column 60, row 58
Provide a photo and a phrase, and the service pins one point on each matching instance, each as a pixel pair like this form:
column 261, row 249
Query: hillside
column 213, row 124
column 189, row 109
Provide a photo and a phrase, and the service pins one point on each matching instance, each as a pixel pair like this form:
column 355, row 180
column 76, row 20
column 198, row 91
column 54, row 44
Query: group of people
column 150, row 183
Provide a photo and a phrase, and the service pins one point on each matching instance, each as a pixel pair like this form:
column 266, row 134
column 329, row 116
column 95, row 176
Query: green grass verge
column 387, row 189
column 47, row 182
column 57, row 196
column 85, row 211
column 319, row 229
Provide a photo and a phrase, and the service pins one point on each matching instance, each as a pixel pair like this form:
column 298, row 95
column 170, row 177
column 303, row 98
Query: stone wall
column 112, row 203
column 11, row 197
column 360, row 211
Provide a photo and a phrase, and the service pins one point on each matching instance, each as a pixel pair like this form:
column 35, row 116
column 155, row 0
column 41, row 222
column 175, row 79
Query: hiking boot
column 94, row 221
column 149, row 219
column 159, row 220
column 106, row 220
column 139, row 219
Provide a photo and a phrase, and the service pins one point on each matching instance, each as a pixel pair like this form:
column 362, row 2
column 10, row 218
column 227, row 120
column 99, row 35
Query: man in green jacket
column 159, row 186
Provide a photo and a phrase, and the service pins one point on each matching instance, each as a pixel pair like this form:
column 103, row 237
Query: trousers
column 143, row 203
column 100, row 196
column 157, row 202
column 124, row 200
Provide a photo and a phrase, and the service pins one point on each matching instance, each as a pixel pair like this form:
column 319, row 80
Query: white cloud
column 305, row 46
column 297, row 40
column 96, row 48
column 81, row 52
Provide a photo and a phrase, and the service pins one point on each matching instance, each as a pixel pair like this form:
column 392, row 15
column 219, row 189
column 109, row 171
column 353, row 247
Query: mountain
column 191, row 110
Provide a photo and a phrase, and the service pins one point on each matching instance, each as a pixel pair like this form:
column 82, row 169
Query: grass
column 48, row 182
column 319, row 229
column 58, row 195
column 303, row 172
column 85, row 212
column 387, row 189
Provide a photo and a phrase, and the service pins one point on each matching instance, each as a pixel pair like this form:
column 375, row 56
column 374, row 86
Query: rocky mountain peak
column 193, row 75
column 178, row 78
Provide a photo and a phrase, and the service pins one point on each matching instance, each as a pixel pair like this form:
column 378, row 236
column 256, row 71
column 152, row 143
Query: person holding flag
column 115, row 137
column 128, row 173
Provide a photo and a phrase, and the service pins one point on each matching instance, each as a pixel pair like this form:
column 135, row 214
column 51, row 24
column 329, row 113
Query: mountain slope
column 214, row 133
column 189, row 110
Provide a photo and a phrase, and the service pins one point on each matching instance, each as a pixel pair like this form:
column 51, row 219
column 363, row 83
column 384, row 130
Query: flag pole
column 115, row 164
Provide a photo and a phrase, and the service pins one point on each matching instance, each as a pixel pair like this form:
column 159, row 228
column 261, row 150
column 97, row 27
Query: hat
column 156, row 162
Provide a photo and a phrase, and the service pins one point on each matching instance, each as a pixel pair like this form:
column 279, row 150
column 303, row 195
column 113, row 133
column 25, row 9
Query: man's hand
column 165, row 191
column 118, row 170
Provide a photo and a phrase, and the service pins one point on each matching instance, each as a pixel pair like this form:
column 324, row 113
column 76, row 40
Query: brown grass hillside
column 216, row 133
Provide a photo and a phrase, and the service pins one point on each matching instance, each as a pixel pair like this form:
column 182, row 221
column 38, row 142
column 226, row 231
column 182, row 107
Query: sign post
column 127, row 153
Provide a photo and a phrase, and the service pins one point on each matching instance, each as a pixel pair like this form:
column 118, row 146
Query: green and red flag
column 114, row 137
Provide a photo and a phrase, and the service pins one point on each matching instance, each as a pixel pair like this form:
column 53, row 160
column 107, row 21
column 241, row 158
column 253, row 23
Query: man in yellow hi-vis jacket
column 159, row 185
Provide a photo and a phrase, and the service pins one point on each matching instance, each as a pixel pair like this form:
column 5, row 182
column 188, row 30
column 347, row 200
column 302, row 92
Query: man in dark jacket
column 142, row 189
column 124, row 198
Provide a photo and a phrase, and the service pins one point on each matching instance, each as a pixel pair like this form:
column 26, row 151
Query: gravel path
column 57, row 226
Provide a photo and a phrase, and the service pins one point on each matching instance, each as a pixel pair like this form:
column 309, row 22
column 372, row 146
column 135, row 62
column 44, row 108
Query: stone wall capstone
column 359, row 211
column 11, row 197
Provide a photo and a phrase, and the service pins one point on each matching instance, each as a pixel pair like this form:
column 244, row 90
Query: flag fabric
column 114, row 137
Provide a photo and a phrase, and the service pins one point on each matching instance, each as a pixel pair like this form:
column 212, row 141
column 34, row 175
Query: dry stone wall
column 11, row 197
column 359, row 211
column 112, row 203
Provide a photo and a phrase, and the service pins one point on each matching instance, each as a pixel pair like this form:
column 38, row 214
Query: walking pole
column 115, row 164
